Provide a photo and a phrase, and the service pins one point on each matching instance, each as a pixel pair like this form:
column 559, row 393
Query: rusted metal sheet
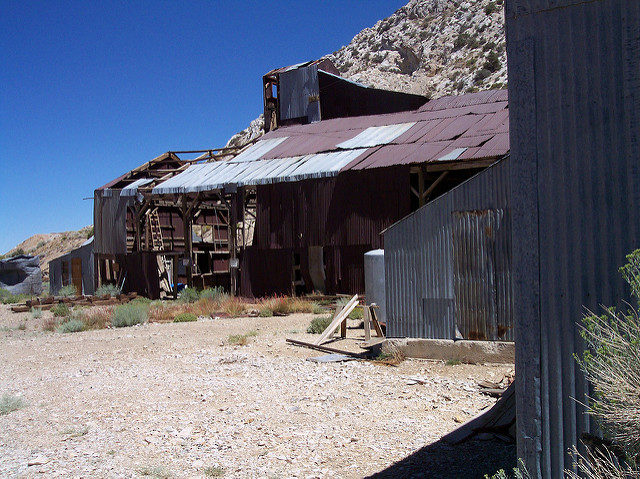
column 448, row 264
column 480, row 279
column 574, row 81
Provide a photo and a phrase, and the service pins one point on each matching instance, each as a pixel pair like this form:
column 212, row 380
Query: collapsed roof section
column 313, row 91
column 467, row 128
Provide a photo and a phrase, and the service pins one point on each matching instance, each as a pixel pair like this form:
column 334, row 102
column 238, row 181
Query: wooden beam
column 428, row 191
column 325, row 349
column 460, row 165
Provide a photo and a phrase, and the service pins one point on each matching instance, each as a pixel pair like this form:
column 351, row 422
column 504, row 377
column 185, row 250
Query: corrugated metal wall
column 574, row 101
column 449, row 264
column 109, row 221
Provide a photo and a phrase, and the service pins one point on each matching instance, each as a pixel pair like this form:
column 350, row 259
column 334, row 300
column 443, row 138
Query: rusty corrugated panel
column 448, row 264
column 574, row 80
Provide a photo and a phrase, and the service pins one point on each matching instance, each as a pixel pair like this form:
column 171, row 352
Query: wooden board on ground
column 497, row 419
column 326, row 349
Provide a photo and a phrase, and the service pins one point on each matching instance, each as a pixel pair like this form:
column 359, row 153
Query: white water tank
column 374, row 281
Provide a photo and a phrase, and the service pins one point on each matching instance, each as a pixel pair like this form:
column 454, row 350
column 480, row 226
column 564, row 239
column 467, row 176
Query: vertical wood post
column 233, row 224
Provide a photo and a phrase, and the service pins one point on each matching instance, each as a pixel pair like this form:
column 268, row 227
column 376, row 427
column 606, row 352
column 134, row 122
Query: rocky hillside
column 51, row 245
column 429, row 47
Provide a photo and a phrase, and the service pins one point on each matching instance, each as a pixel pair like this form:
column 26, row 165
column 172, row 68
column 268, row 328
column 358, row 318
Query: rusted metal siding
column 351, row 209
column 448, row 264
column 574, row 81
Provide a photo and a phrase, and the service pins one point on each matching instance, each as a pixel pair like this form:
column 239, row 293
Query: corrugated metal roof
column 469, row 127
column 376, row 135
column 132, row 189
column 218, row 175
column 259, row 149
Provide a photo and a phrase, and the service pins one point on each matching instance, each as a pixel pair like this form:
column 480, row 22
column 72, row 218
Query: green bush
column 60, row 310
column 464, row 40
column 10, row 403
column 316, row 308
column 265, row 312
column 611, row 363
column 357, row 313
column 108, row 289
column 129, row 314
column 185, row 318
column 492, row 62
column 490, row 8
column 318, row 325
column 215, row 294
column 36, row 313
column 144, row 301
column 481, row 75
column 68, row 290
column 7, row 298
column 72, row 326
column 189, row 295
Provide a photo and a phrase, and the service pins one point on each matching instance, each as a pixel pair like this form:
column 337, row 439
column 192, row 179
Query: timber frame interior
column 198, row 238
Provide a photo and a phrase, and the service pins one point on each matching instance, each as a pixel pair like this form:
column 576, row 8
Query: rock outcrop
column 428, row 47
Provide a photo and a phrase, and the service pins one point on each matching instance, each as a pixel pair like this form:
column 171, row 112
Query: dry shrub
column 166, row 313
column 283, row 305
column 241, row 339
column 50, row 323
column 205, row 307
column 600, row 463
column 300, row 305
column 389, row 355
column 96, row 317
column 234, row 307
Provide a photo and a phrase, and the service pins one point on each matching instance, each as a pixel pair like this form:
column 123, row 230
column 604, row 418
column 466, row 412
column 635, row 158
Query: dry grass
column 97, row 317
column 389, row 356
column 283, row 305
column 50, row 323
column 241, row 339
column 166, row 313
column 234, row 307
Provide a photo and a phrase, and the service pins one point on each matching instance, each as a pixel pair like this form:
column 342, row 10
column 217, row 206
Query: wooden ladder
column 157, row 242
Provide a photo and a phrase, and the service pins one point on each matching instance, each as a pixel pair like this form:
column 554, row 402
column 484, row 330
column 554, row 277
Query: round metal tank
column 374, row 281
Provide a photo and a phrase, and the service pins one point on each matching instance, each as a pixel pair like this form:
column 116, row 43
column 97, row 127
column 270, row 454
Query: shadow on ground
column 471, row 459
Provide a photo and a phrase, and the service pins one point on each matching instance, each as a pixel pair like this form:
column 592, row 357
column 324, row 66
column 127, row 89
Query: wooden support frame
column 338, row 319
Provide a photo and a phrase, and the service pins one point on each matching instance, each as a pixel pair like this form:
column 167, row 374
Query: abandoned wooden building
column 295, row 211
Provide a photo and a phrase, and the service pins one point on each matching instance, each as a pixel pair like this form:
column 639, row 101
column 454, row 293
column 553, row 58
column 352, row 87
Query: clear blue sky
column 90, row 90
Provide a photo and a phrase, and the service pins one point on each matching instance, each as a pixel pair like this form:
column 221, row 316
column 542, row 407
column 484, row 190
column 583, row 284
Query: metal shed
column 448, row 264
column 574, row 92
column 75, row 267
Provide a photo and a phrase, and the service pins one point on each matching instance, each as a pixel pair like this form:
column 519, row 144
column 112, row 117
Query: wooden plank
column 500, row 415
column 324, row 348
column 367, row 324
column 376, row 323
column 350, row 306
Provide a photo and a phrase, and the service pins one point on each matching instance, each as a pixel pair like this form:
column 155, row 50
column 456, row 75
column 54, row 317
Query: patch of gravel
column 177, row 399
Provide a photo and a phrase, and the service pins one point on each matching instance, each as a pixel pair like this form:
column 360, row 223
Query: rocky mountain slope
column 52, row 245
column 428, row 47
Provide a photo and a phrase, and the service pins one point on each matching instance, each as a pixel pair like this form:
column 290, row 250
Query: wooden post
column 96, row 272
column 175, row 276
column 233, row 224
column 367, row 324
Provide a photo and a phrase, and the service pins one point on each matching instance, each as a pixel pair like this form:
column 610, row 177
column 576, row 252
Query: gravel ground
column 177, row 400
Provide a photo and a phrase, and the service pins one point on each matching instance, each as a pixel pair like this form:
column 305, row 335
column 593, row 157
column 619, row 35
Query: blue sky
column 90, row 90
